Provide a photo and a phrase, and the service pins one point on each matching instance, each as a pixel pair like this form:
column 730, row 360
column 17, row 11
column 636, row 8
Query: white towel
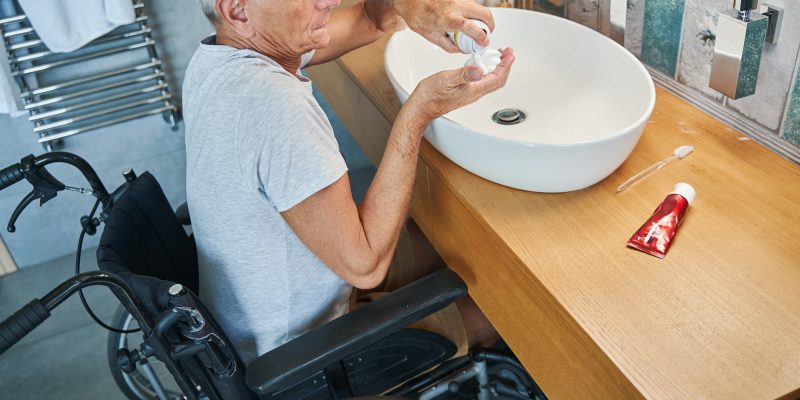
column 10, row 102
column 67, row 25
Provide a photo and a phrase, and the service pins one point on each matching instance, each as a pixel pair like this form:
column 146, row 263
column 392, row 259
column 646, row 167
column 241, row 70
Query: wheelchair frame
column 185, row 337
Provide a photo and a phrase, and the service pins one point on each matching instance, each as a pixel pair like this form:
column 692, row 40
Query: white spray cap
column 686, row 190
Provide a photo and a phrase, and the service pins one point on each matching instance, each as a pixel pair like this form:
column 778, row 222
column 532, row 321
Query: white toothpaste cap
column 686, row 190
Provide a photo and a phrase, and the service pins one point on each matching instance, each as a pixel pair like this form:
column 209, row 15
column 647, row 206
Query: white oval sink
column 586, row 99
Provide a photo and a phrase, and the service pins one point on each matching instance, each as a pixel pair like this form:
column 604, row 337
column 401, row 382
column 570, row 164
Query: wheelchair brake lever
column 45, row 188
column 29, row 198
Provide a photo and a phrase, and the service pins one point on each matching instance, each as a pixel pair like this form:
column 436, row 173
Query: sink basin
column 585, row 98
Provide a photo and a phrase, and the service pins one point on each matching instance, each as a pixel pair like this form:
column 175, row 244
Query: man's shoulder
column 238, row 70
column 276, row 96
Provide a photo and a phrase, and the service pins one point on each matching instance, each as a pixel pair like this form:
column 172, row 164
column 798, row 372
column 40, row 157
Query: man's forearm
column 350, row 28
column 385, row 206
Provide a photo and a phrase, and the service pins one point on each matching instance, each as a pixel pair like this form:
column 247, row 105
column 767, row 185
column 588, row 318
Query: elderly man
column 281, row 244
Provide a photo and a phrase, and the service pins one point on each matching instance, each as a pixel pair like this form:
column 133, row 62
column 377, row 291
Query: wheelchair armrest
column 330, row 343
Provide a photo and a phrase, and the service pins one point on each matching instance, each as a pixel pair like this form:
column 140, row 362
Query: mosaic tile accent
column 791, row 128
column 775, row 76
column 751, row 57
column 661, row 40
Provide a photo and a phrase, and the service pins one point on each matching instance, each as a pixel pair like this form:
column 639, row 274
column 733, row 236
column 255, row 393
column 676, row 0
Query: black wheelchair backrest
column 142, row 235
column 144, row 242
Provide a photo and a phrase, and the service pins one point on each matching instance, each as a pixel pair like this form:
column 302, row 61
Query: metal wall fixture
column 115, row 78
column 741, row 35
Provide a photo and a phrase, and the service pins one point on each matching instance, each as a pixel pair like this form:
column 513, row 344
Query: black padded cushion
column 142, row 235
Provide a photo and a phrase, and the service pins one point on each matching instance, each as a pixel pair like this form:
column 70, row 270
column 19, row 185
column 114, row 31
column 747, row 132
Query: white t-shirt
column 257, row 144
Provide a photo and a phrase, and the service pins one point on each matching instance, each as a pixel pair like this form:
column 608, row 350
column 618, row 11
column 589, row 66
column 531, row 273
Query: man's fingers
column 504, row 68
column 471, row 29
column 499, row 77
column 458, row 77
column 482, row 13
column 471, row 74
column 440, row 39
column 507, row 58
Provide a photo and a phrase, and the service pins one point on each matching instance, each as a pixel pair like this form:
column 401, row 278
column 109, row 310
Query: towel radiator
column 115, row 78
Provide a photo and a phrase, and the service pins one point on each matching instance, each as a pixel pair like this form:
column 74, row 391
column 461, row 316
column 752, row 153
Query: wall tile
column 775, row 75
column 584, row 12
column 634, row 27
column 791, row 127
column 661, row 40
column 178, row 30
column 550, row 8
column 754, row 39
column 699, row 31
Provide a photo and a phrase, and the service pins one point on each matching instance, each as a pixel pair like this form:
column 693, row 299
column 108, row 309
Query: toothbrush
column 677, row 154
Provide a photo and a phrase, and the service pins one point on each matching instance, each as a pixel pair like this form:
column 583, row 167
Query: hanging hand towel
column 10, row 102
column 67, row 25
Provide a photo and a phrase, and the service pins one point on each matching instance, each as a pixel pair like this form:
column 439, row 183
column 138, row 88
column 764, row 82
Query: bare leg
column 480, row 331
column 426, row 259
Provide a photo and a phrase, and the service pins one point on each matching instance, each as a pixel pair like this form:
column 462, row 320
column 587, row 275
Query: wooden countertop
column 718, row 318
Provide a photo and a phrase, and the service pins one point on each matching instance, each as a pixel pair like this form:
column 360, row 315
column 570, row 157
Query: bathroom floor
column 65, row 358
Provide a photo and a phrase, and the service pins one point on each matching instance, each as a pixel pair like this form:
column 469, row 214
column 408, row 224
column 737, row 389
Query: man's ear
column 232, row 13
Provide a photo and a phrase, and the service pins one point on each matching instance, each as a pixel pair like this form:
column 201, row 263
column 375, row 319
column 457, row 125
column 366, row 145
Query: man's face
column 295, row 26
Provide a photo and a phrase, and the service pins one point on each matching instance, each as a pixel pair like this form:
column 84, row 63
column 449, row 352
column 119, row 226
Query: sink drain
column 508, row 116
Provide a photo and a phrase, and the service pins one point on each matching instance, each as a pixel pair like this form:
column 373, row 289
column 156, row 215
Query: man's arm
column 356, row 26
column 367, row 21
column 357, row 242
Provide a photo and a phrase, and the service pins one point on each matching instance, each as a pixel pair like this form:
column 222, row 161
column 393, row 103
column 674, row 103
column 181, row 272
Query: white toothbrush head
column 683, row 151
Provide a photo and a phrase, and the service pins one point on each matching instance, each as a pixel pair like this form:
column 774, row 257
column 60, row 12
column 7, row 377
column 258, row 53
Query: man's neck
column 289, row 62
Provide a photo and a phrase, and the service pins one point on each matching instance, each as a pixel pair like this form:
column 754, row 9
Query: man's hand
column 434, row 18
column 448, row 90
column 383, row 16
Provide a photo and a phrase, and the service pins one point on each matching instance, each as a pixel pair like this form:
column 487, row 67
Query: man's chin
column 322, row 41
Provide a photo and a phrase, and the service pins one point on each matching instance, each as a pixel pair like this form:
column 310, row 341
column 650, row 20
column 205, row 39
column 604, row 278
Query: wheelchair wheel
column 152, row 381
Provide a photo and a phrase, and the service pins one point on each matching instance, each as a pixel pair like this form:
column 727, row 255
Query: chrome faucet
column 741, row 34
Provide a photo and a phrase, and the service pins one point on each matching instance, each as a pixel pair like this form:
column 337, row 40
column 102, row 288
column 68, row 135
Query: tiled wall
column 676, row 37
column 143, row 144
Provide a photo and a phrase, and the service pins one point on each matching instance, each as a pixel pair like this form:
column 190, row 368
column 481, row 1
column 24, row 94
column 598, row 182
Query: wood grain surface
column 718, row 318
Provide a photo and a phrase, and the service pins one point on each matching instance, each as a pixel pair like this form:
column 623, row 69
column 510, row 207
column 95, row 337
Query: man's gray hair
column 210, row 9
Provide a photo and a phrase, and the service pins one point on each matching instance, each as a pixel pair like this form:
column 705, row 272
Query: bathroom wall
column 676, row 38
column 143, row 144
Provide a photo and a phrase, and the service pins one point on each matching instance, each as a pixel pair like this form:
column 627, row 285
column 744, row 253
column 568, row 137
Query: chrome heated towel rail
column 113, row 79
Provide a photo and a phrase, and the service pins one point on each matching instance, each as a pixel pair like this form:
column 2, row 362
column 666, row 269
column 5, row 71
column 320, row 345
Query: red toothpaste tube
column 655, row 236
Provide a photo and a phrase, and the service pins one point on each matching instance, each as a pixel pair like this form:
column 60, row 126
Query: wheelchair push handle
column 37, row 311
column 10, row 175
column 22, row 323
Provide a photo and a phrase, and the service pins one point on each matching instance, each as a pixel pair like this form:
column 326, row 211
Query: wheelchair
column 164, row 344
